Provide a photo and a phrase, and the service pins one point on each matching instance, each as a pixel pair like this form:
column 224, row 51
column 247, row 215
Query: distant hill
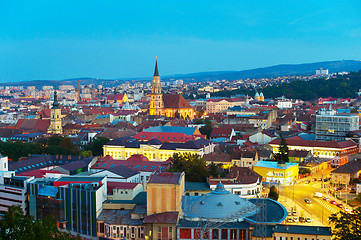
column 342, row 86
column 272, row 71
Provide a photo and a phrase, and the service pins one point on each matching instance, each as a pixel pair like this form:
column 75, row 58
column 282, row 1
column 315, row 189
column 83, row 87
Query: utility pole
column 322, row 180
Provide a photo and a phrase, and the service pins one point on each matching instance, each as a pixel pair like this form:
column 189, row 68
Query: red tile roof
column 138, row 157
column 138, row 165
column 38, row 173
column 34, row 124
column 175, row 101
column 115, row 97
column 221, row 132
column 308, row 143
column 165, row 217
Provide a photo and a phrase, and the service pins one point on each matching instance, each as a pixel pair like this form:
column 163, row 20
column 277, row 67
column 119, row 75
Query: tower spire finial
column 156, row 73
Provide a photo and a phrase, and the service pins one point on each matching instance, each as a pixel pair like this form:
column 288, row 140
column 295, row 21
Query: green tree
column 347, row 225
column 96, row 145
column 192, row 164
column 273, row 193
column 214, row 170
column 282, row 155
column 16, row 226
column 207, row 128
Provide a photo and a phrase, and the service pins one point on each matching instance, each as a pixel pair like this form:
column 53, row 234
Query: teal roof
column 170, row 129
column 197, row 186
column 269, row 164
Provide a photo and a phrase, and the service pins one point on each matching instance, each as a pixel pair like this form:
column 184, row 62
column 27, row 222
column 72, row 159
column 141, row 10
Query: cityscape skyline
column 115, row 40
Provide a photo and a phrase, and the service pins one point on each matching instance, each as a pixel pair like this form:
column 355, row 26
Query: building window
column 159, row 229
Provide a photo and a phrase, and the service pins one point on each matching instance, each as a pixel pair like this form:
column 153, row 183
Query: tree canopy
column 96, row 145
column 273, row 193
column 16, row 226
column 342, row 86
column 192, row 164
column 282, row 155
column 347, row 225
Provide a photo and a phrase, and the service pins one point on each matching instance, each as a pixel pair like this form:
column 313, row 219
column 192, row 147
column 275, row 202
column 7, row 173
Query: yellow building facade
column 164, row 192
column 153, row 153
column 272, row 172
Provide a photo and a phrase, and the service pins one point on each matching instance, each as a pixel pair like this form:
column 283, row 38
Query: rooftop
column 269, row 164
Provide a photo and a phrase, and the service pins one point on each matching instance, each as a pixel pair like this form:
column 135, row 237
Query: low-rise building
column 336, row 152
column 154, row 150
column 272, row 172
column 347, row 172
column 241, row 181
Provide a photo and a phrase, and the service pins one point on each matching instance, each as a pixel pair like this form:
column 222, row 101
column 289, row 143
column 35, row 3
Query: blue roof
column 170, row 129
column 269, row 164
column 48, row 191
column 276, row 212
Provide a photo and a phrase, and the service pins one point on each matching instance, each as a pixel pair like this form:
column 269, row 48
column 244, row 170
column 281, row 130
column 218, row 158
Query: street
column 295, row 195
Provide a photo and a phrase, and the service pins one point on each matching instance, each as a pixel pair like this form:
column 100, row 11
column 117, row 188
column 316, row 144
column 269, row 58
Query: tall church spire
column 156, row 67
column 55, row 103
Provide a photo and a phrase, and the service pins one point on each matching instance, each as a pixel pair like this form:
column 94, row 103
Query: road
column 318, row 208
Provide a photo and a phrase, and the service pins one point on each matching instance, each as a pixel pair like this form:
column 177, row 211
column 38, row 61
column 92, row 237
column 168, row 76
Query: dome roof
column 261, row 94
column 257, row 94
column 219, row 204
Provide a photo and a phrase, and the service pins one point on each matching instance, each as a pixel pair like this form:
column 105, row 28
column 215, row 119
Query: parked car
column 326, row 198
column 302, row 219
column 340, row 205
column 294, row 213
column 307, row 181
column 339, row 188
column 308, row 219
column 295, row 219
column 308, row 201
column 314, row 179
column 333, row 202
column 320, row 179
column 290, row 219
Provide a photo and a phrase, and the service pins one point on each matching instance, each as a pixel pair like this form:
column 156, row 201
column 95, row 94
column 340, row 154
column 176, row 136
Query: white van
column 317, row 194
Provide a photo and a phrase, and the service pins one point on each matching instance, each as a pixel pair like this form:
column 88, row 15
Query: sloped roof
column 164, row 217
column 351, row 167
column 176, row 101
column 31, row 124
column 138, row 165
column 123, row 171
column 166, row 178
column 171, row 129
column 221, row 132
column 298, row 153
column 115, row 97
column 308, row 143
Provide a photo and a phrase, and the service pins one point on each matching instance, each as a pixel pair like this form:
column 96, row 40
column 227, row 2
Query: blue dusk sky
column 54, row 39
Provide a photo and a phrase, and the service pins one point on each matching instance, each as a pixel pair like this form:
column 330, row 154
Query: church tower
column 55, row 117
column 156, row 97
